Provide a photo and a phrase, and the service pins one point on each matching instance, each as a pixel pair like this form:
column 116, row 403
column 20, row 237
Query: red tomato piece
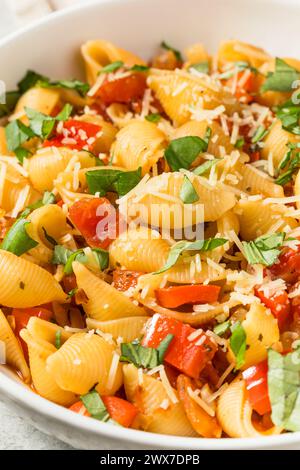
column 123, row 90
column 81, row 135
column 279, row 304
column 124, row 279
column 97, row 220
column 256, row 378
column 288, row 265
column 189, row 355
column 174, row 296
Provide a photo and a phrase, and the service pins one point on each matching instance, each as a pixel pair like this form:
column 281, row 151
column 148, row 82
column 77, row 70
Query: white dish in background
column 52, row 47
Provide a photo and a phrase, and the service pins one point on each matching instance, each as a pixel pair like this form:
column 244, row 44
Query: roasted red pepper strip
column 78, row 135
column 185, row 353
column 256, row 378
column 279, row 304
column 172, row 297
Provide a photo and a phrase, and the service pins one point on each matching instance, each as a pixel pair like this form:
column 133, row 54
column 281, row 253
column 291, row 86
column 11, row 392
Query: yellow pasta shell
column 26, row 284
column 235, row 51
column 126, row 328
column 44, row 100
column 14, row 353
column 83, row 361
column 46, row 330
column 276, row 143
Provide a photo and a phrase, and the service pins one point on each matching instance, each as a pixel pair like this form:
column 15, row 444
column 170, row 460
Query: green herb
column 30, row 80
column 66, row 257
column 289, row 115
column 259, row 135
column 17, row 240
column 109, row 180
column 81, row 87
column 240, row 143
column 265, row 249
column 284, row 388
column 222, row 328
column 238, row 67
column 204, row 167
column 22, row 153
column 49, row 238
column 238, row 343
column 95, row 406
column 202, row 67
column 42, row 125
column 200, row 245
column 139, row 68
column 289, row 160
column 282, row 79
column 112, row 67
column 183, row 151
column 48, row 198
column 17, row 134
column 72, row 292
column 188, row 194
column 141, row 356
column 58, row 339
column 154, row 117
column 11, row 99
column 61, row 255
column 177, row 53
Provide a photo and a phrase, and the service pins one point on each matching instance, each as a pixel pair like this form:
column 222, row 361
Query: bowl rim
column 29, row 400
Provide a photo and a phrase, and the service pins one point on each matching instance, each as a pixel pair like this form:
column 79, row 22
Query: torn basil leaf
column 81, row 87
column 30, row 80
column 265, row 249
column 110, row 180
column 200, row 245
column 66, row 257
column 17, row 240
column 207, row 165
column 154, row 117
column 141, row 356
column 11, row 99
column 61, row 255
column 188, row 193
column 95, row 406
column 282, row 79
column 202, row 67
column 112, row 67
column 183, row 151
column 42, row 125
column 289, row 115
column 176, row 52
column 238, row 343
column 259, row 135
column 222, row 328
column 17, row 134
column 139, row 68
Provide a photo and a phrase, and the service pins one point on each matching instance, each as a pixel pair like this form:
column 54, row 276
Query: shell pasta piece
column 128, row 329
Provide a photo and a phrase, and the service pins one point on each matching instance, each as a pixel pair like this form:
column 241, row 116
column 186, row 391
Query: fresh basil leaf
column 289, row 115
column 66, row 257
column 259, row 135
column 112, row 67
column 154, row 117
column 202, row 67
column 200, row 245
column 11, row 99
column 72, row 292
column 17, row 134
column 109, row 180
column 17, row 240
column 30, row 80
column 284, row 388
column 204, row 167
column 177, row 53
column 183, row 151
column 22, row 153
column 141, row 356
column 240, row 143
column 58, row 339
column 282, row 79
column 48, row 198
column 238, row 343
column 95, row 406
column 65, row 113
column 237, row 67
column 139, row 68
column 265, row 249
column 222, row 328
column 42, row 125
column 188, row 194
column 61, row 255
column 81, row 87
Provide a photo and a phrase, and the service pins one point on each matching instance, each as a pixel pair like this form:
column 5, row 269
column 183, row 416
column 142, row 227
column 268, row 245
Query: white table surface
column 15, row 432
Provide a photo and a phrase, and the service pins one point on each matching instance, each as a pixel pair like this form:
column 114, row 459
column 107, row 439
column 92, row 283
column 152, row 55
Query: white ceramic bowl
column 52, row 47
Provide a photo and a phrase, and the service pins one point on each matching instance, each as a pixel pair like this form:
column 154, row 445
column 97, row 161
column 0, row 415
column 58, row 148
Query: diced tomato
column 124, row 279
column 279, row 304
column 189, row 355
column 288, row 265
column 174, row 296
column 60, row 203
column 244, row 86
column 254, row 156
column 83, row 134
column 256, row 378
column 22, row 317
column 123, row 90
column 97, row 220
column 119, row 410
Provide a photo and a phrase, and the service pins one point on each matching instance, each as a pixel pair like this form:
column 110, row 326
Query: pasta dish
column 150, row 239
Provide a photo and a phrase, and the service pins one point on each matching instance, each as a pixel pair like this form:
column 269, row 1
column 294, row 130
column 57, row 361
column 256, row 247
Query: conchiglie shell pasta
column 274, row 98
column 44, row 383
column 46, row 330
column 83, row 361
column 148, row 396
column 47, row 163
column 182, row 94
column 126, row 328
column 44, row 100
column 98, row 53
column 104, row 301
column 25, row 284
column 14, row 353
column 3, row 144
column 234, row 413
column 50, row 220
column 262, row 332
column 235, row 51
column 139, row 144
column 258, row 218
column 159, row 203
column 254, row 181
column 276, row 143
column 195, row 54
